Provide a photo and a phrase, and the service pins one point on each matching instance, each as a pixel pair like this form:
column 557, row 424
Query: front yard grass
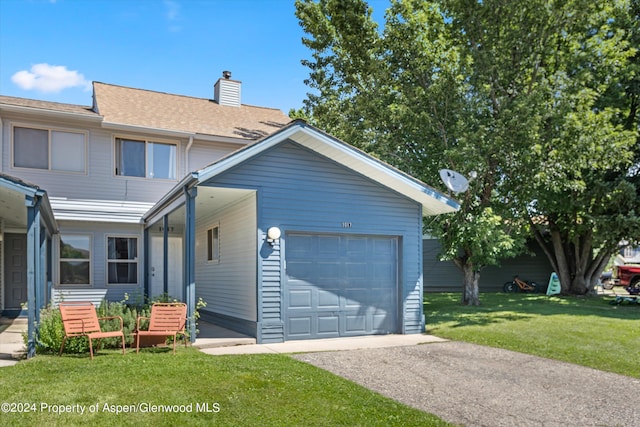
column 584, row 330
column 198, row 389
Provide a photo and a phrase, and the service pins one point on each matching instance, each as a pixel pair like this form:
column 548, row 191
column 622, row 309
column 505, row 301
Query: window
column 122, row 260
column 145, row 159
column 75, row 259
column 49, row 149
column 213, row 244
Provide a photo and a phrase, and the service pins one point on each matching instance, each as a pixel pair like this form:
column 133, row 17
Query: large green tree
column 503, row 91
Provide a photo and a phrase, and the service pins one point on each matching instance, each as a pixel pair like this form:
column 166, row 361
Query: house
column 286, row 232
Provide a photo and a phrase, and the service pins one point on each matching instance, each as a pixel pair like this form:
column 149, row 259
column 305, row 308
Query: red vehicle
column 628, row 276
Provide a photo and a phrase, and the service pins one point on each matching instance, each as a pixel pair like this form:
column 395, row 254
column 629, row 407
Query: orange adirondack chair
column 167, row 319
column 81, row 319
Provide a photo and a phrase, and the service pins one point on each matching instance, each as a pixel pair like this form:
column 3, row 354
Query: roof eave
column 51, row 113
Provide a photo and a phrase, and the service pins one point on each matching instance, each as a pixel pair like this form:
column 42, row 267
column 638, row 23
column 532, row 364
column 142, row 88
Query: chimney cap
column 226, row 74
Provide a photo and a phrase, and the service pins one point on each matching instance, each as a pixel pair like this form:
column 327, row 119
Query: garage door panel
column 300, row 298
column 355, row 325
column 300, row 270
column 355, row 298
column 299, row 326
column 352, row 282
column 328, row 324
column 328, row 299
column 328, row 246
column 383, row 272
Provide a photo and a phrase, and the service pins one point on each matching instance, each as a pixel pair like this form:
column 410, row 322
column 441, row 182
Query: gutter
column 186, row 153
column 58, row 114
column 145, row 129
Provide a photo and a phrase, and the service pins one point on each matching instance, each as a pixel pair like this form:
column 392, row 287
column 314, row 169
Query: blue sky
column 53, row 49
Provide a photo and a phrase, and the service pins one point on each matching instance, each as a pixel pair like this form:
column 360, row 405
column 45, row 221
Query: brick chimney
column 227, row 91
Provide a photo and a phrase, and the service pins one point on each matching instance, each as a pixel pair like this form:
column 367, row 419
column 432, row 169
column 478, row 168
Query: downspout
column 186, row 153
column 1, row 142
column 189, row 257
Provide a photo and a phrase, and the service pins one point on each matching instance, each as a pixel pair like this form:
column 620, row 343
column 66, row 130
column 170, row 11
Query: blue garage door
column 340, row 285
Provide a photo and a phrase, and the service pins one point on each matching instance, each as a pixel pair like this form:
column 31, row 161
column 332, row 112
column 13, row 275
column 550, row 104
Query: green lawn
column 248, row 390
column 276, row 390
column 582, row 330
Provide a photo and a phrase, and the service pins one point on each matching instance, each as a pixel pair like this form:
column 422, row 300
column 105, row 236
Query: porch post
column 33, row 269
column 165, row 254
column 41, row 273
column 189, row 257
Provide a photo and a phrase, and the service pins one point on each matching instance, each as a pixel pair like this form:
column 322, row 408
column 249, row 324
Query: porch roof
column 15, row 196
column 433, row 202
column 99, row 210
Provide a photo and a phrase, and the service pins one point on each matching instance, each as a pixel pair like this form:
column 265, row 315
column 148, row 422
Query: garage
column 316, row 239
column 340, row 285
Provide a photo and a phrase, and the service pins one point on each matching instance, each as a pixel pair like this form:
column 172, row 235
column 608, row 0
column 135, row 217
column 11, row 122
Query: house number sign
column 346, row 225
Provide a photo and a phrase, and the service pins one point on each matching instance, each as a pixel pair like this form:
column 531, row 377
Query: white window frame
column 49, row 131
column 60, row 260
column 146, row 141
column 213, row 244
column 109, row 261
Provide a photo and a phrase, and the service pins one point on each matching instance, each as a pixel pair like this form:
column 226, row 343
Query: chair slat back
column 168, row 317
column 79, row 317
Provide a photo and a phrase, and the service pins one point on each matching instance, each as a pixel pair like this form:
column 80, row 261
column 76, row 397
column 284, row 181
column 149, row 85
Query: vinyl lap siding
column 202, row 154
column 300, row 191
column 99, row 182
column 229, row 286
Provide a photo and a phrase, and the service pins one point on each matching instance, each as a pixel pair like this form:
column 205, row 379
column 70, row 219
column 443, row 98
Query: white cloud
column 172, row 9
column 49, row 78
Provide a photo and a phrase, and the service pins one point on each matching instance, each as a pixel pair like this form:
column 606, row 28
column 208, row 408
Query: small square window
column 31, row 148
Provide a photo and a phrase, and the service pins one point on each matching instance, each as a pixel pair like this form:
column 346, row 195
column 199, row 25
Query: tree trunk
column 562, row 264
column 471, row 291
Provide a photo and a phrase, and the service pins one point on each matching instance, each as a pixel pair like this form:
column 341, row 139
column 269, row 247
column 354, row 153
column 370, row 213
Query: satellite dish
column 454, row 181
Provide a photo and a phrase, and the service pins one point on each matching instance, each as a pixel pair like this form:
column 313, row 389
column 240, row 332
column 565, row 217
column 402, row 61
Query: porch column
column 165, row 254
column 34, row 269
column 189, row 257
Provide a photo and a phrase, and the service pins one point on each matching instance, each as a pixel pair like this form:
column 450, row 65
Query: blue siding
column 298, row 190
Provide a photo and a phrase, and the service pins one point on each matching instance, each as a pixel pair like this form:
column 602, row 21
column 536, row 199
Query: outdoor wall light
column 273, row 234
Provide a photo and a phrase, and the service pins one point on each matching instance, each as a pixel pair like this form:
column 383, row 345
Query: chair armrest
column 113, row 317
column 138, row 321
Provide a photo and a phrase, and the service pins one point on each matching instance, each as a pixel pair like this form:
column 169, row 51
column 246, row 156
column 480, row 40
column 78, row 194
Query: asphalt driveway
column 474, row 385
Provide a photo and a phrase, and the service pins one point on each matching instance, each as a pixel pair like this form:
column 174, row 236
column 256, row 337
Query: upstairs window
column 49, row 149
column 145, row 159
